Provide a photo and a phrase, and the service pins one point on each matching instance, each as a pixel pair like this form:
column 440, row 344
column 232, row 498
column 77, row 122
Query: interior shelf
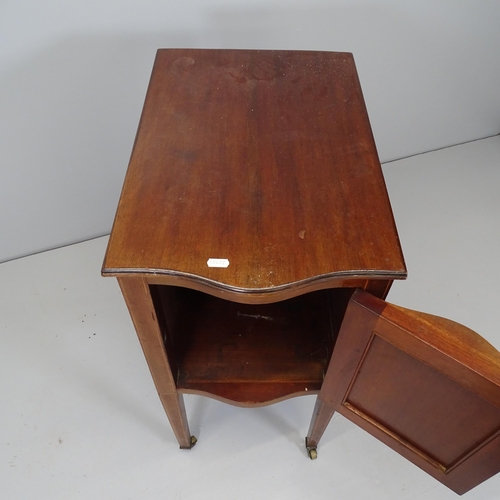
column 249, row 354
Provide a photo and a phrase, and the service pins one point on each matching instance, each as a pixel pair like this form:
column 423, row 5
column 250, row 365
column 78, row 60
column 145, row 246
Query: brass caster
column 312, row 453
column 192, row 442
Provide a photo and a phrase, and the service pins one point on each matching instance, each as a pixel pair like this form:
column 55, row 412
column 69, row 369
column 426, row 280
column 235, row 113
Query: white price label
column 217, row 262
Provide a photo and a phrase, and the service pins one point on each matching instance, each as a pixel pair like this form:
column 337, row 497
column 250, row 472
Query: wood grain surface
column 263, row 158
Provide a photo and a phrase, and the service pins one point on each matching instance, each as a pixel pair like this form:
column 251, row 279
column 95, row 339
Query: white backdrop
column 73, row 77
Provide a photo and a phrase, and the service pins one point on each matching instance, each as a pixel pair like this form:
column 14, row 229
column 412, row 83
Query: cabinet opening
column 248, row 353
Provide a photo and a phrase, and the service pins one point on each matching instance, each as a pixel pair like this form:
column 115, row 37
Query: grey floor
column 80, row 418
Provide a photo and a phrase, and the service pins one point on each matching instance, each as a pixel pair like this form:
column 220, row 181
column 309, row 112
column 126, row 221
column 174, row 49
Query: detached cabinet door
column 427, row 387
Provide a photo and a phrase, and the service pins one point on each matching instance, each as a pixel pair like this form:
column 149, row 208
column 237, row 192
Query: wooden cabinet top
column 262, row 160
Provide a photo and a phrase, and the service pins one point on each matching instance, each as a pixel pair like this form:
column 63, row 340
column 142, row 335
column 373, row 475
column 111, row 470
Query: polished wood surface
column 426, row 386
column 263, row 158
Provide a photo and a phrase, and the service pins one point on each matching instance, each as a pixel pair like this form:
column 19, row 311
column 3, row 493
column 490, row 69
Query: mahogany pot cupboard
column 254, row 244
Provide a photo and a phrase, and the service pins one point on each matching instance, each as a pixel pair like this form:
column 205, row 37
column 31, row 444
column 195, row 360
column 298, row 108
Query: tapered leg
column 140, row 304
column 322, row 415
column 176, row 413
